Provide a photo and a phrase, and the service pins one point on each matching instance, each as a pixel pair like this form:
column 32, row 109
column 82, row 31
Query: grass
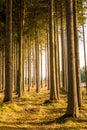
column 31, row 113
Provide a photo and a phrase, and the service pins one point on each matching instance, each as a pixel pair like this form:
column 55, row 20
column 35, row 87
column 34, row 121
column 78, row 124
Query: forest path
column 31, row 113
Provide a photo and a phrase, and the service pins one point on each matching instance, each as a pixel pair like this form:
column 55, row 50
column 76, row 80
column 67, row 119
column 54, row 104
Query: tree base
column 51, row 101
column 7, row 101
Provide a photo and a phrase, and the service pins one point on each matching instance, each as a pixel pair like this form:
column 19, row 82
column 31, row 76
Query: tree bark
column 37, row 60
column 53, row 95
column 41, row 68
column 0, row 70
column 77, row 60
column 84, row 46
column 8, row 52
column 63, row 48
column 29, row 65
column 56, row 53
column 72, row 108
column 20, row 47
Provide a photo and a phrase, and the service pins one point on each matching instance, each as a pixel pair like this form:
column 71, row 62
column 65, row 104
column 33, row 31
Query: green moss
column 30, row 112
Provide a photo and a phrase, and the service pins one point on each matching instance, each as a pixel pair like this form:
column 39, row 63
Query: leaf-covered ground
column 31, row 113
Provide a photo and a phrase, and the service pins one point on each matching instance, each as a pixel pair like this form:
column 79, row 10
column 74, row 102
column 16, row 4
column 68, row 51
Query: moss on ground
column 31, row 113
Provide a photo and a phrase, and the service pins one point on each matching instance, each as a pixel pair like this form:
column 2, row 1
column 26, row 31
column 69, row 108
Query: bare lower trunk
column 77, row 60
column 41, row 68
column 0, row 70
column 23, row 66
column 37, row 60
column 8, row 52
column 20, row 87
column 56, row 55
column 28, row 69
column 53, row 95
column 72, row 108
column 84, row 46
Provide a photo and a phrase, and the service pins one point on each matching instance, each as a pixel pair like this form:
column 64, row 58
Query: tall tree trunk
column 37, row 60
column 13, row 65
column 48, row 58
column 84, row 46
column 53, row 95
column 20, row 47
column 34, row 68
column 26, row 55
column 8, row 52
column 0, row 70
column 56, row 53
column 72, row 108
column 15, row 69
column 58, row 45
column 46, row 69
column 77, row 60
column 23, row 66
column 66, row 68
column 3, row 69
column 29, row 65
column 63, row 47
column 41, row 68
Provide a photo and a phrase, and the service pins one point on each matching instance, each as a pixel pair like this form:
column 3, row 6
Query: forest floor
column 31, row 113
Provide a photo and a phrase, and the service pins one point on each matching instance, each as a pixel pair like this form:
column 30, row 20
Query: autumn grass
column 30, row 112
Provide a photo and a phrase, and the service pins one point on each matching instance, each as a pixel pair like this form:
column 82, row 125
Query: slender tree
column 77, row 60
column 37, row 59
column 8, row 52
column 3, row 68
column 29, row 64
column 20, row 29
column 41, row 68
column 72, row 108
column 56, row 52
column 0, row 70
column 63, row 47
column 53, row 94
column 84, row 46
column 48, row 57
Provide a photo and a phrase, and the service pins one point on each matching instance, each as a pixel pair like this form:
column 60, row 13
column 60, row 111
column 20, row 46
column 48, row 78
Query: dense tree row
column 37, row 31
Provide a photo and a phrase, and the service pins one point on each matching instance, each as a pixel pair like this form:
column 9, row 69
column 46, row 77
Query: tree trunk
column 77, row 60
column 84, row 46
column 53, row 95
column 29, row 65
column 72, row 108
column 20, row 47
column 34, row 68
column 37, row 60
column 8, row 52
column 58, row 46
column 14, row 66
column 0, row 70
column 3, row 69
column 46, row 69
column 63, row 47
column 23, row 66
column 17, row 67
column 56, row 53
column 48, row 58
column 41, row 68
